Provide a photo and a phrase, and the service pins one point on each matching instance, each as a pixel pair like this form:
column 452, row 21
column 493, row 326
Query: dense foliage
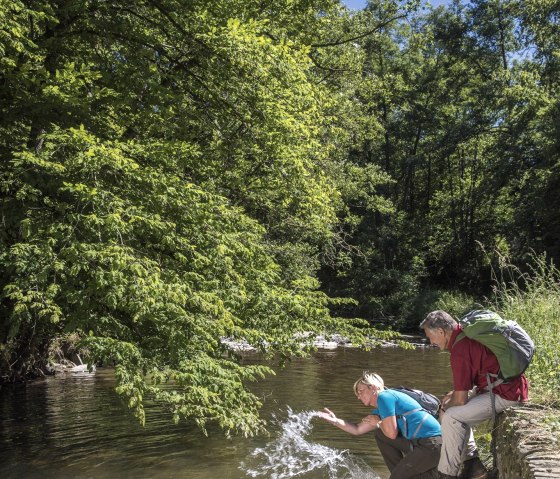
column 162, row 188
column 177, row 171
column 466, row 105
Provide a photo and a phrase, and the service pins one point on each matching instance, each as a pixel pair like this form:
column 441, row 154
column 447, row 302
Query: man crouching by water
column 408, row 437
column 471, row 362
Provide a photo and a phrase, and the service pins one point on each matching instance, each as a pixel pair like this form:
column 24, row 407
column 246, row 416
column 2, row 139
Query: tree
column 533, row 109
column 161, row 176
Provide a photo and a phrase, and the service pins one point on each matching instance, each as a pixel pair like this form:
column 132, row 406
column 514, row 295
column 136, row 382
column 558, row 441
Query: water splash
column 291, row 455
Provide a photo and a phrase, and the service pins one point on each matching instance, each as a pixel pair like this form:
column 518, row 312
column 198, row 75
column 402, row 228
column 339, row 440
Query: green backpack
column 506, row 339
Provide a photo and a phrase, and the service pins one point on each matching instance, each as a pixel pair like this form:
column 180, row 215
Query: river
column 75, row 426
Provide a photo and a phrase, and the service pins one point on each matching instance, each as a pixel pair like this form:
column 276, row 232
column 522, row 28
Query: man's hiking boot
column 474, row 469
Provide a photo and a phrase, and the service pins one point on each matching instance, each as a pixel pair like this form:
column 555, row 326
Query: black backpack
column 428, row 402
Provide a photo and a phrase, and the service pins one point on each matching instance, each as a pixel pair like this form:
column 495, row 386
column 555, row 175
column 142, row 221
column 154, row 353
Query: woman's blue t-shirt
column 394, row 403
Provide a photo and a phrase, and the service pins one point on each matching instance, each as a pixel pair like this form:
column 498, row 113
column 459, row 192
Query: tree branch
column 358, row 37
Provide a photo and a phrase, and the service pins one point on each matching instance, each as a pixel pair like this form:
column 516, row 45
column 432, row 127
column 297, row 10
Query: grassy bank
column 532, row 298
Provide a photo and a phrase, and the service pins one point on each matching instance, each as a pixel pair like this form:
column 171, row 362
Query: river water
column 75, row 426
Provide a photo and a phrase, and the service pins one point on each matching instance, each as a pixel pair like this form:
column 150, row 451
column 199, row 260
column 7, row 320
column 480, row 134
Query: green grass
column 532, row 299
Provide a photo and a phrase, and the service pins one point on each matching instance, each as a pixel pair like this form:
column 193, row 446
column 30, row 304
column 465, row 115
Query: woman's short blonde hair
column 369, row 379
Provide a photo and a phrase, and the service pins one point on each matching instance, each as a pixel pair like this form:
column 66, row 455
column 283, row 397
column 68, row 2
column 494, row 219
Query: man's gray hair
column 438, row 319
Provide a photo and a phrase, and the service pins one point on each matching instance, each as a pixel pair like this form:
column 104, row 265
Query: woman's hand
column 349, row 427
column 371, row 419
column 328, row 416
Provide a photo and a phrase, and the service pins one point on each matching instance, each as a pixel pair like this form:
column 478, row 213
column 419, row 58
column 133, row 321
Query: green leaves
column 174, row 172
column 116, row 244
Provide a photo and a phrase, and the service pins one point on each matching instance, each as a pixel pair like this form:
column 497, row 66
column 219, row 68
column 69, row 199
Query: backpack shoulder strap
column 403, row 416
column 460, row 336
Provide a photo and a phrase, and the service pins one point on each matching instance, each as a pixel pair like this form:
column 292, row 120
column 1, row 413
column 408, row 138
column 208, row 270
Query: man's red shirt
column 471, row 360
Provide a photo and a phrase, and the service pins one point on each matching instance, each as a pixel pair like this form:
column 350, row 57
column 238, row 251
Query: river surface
column 75, row 426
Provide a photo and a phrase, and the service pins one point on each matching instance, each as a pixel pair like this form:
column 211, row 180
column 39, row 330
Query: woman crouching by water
column 408, row 437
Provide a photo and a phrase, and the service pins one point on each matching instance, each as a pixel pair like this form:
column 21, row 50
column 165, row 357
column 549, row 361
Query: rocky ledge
column 526, row 448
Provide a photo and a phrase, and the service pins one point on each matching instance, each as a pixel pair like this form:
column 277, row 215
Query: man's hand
column 445, row 400
column 454, row 398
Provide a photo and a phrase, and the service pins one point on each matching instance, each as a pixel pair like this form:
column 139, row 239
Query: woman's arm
column 349, row 427
column 387, row 425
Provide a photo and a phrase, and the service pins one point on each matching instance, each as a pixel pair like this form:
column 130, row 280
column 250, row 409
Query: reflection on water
column 76, row 426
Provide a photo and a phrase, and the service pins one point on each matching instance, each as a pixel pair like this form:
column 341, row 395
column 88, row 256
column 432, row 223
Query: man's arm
column 454, row 398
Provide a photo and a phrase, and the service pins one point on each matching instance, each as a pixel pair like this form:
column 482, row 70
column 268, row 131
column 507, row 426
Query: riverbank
column 72, row 362
column 333, row 342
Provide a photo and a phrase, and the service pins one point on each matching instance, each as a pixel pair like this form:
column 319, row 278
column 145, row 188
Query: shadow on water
column 75, row 426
